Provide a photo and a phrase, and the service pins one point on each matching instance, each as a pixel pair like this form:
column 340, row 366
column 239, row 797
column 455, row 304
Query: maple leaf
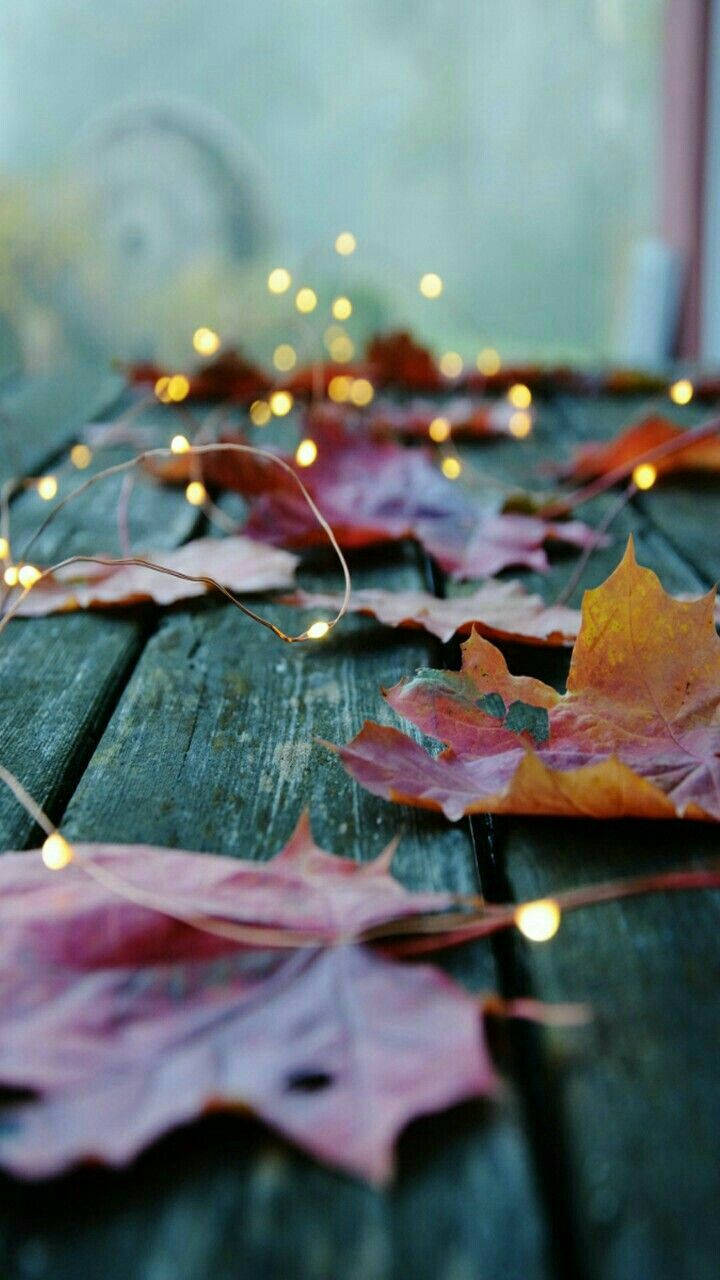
column 229, row 377
column 504, row 610
column 637, row 734
column 237, row 563
column 398, row 358
column 465, row 418
column 125, row 1022
column 632, row 444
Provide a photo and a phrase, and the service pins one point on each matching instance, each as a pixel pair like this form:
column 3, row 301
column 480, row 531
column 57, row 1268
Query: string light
column 339, row 388
column 431, row 285
column 342, row 308
column 196, row 493
column 342, row 349
column 681, row 392
column 451, row 468
column 28, row 575
column 361, row 391
column 439, row 430
column 4, row 548
column 539, row 921
column 451, row 364
column 281, row 402
column 80, row 456
column 47, row 487
column 306, row 453
column 179, row 444
column 162, row 389
column 260, row 413
column 306, row 300
column 178, row 387
column 488, row 361
column 644, row 475
column 206, row 341
column 279, row 280
column 56, row 853
column 519, row 395
column 345, row 244
column 520, row 424
column 317, row 630
column 284, row 357
column 10, row 575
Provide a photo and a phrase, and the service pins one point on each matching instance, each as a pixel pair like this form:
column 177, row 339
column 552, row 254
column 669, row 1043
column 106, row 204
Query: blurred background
column 546, row 160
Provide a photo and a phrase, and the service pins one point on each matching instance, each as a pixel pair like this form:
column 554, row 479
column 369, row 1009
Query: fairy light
column 539, row 921
column 451, row 468
column 284, row 357
column 519, row 396
column 488, row 361
column 451, row 364
column 520, row 424
column 317, row 630
column 431, row 285
column 205, row 341
column 260, row 413
column 345, row 244
column 196, row 493
column 178, row 387
column 81, row 456
column 681, row 392
column 10, row 576
column 439, row 430
column 28, row 575
column 162, row 389
column 4, row 548
column 342, row 308
column 179, row 444
column 644, row 475
column 306, row 453
column 339, row 388
column 361, row 392
column 306, row 300
column 47, row 487
column 56, row 853
column 279, row 280
column 281, row 402
column 342, row 349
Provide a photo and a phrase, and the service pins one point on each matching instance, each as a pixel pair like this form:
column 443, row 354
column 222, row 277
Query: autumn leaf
column 504, row 610
column 229, row 377
column 396, row 358
column 124, row 1022
column 458, row 417
column 635, row 442
column 237, row 563
column 637, row 734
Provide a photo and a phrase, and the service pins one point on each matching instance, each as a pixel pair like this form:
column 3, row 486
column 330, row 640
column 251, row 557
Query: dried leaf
column 637, row 733
column 125, row 1023
column 635, row 442
column 229, row 377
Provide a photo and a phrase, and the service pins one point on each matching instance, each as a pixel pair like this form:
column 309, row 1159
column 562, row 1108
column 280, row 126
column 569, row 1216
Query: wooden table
column 190, row 728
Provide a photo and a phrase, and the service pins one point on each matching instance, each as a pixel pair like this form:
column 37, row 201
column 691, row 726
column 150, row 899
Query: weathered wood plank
column 38, row 415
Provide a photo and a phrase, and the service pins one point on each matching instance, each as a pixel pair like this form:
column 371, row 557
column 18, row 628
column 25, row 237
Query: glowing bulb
column 10, row 575
column 520, row 424
column 345, row 244
column 4, row 548
column 339, row 388
column 80, row 456
column 47, row 487
column 279, row 280
column 431, row 285
column 196, row 493
column 342, row 308
column 318, row 630
column 28, row 575
column 281, row 402
column 439, row 430
column 644, row 475
column 162, row 389
column 451, row 467
column 284, row 357
column 342, row 349
column 260, row 413
column 178, row 387
column 205, row 341
column 56, row 852
column 488, row 361
column 519, row 395
column 361, row 392
column 306, row 300
column 451, row 364
column 681, row 392
column 179, row 444
column 306, row 453
column 538, row 921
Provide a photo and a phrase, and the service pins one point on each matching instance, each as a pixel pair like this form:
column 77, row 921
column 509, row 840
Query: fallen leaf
column 124, row 1022
column 386, row 419
column 636, row 735
column 229, row 377
column 634, row 443
column 504, row 610
column 237, row 563
column 396, row 358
